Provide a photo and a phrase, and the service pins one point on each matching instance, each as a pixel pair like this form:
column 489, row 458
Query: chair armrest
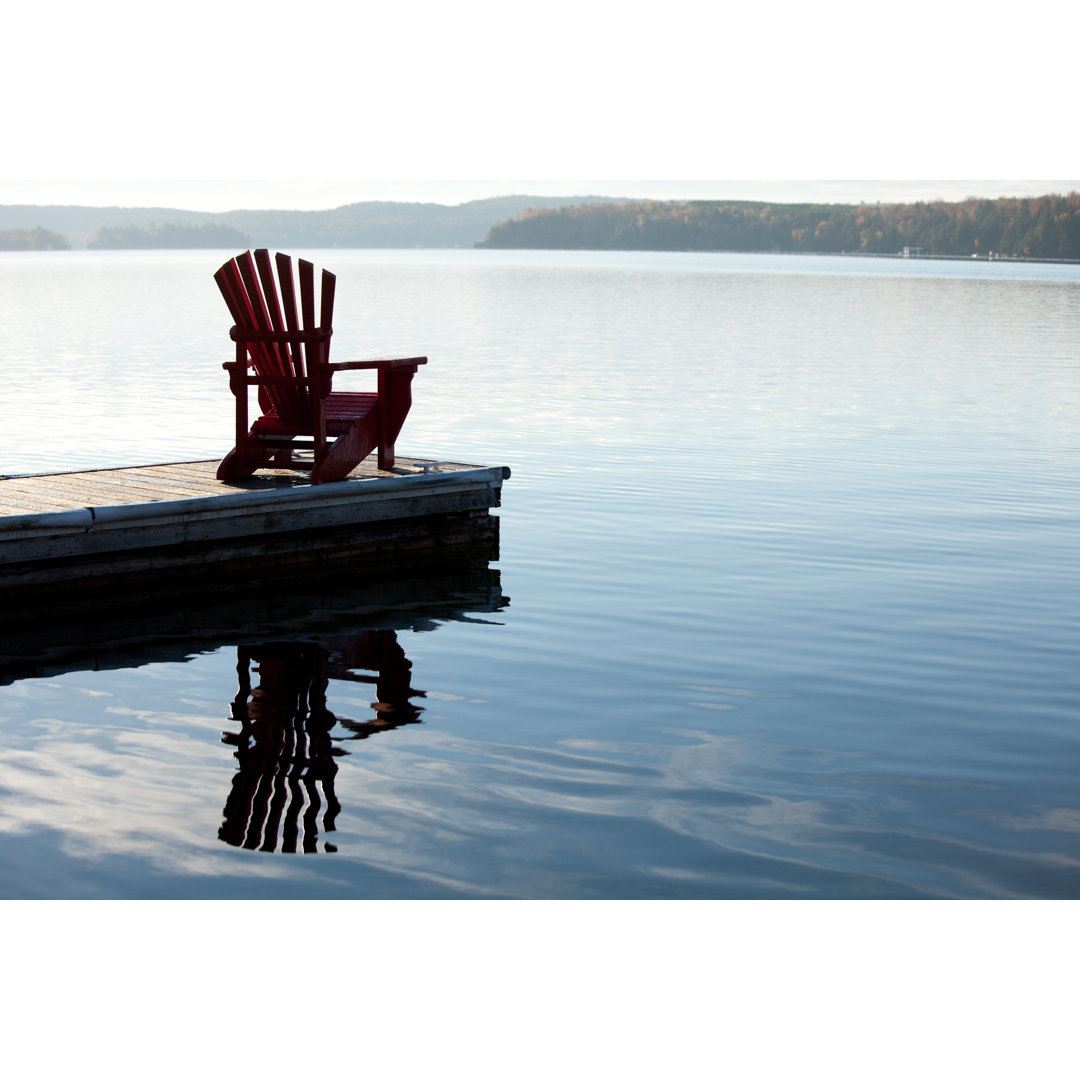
column 380, row 362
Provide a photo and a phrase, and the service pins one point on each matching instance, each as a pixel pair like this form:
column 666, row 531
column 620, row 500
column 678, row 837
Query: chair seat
column 342, row 412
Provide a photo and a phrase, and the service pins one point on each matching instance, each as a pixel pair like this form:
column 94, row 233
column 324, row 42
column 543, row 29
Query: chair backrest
column 291, row 346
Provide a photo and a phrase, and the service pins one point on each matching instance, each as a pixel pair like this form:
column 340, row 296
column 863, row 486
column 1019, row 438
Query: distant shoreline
column 1046, row 228
column 806, row 254
column 929, row 258
column 578, row 250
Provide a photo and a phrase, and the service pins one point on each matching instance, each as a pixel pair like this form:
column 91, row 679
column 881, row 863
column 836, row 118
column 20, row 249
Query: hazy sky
column 269, row 104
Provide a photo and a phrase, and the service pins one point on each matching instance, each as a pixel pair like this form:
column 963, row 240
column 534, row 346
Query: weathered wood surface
column 53, row 526
column 52, row 492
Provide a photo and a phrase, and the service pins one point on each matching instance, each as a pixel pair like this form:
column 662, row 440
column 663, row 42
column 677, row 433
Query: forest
column 356, row 225
column 1047, row 227
column 37, row 239
column 117, row 237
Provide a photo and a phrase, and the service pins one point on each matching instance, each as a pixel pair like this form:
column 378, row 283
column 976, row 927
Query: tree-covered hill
column 36, row 239
column 1047, row 227
column 361, row 225
column 209, row 235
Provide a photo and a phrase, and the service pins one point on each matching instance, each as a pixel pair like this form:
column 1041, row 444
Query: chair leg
column 395, row 400
column 343, row 455
column 237, row 466
column 338, row 461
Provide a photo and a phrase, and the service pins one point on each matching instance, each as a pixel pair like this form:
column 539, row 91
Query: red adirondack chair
column 288, row 360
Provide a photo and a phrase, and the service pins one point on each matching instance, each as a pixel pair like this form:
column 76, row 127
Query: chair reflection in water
column 287, row 745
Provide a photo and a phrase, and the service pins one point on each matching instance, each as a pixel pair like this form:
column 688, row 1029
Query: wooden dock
column 107, row 528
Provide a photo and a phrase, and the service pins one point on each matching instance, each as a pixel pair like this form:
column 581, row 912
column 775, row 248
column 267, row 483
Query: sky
column 238, row 104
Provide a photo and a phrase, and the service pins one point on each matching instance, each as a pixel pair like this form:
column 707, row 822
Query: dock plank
column 54, row 492
column 102, row 490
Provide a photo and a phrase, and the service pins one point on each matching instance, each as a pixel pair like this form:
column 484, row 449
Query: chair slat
column 288, row 291
column 307, row 312
column 326, row 311
column 228, row 282
column 273, row 307
column 257, row 307
column 265, row 356
column 230, row 279
column 307, row 293
column 292, row 401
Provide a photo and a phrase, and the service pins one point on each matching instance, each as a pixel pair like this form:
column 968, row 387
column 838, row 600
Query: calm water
column 788, row 602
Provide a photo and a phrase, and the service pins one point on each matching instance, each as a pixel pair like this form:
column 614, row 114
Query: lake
column 787, row 603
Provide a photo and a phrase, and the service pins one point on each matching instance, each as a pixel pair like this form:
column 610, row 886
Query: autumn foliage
column 1047, row 227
